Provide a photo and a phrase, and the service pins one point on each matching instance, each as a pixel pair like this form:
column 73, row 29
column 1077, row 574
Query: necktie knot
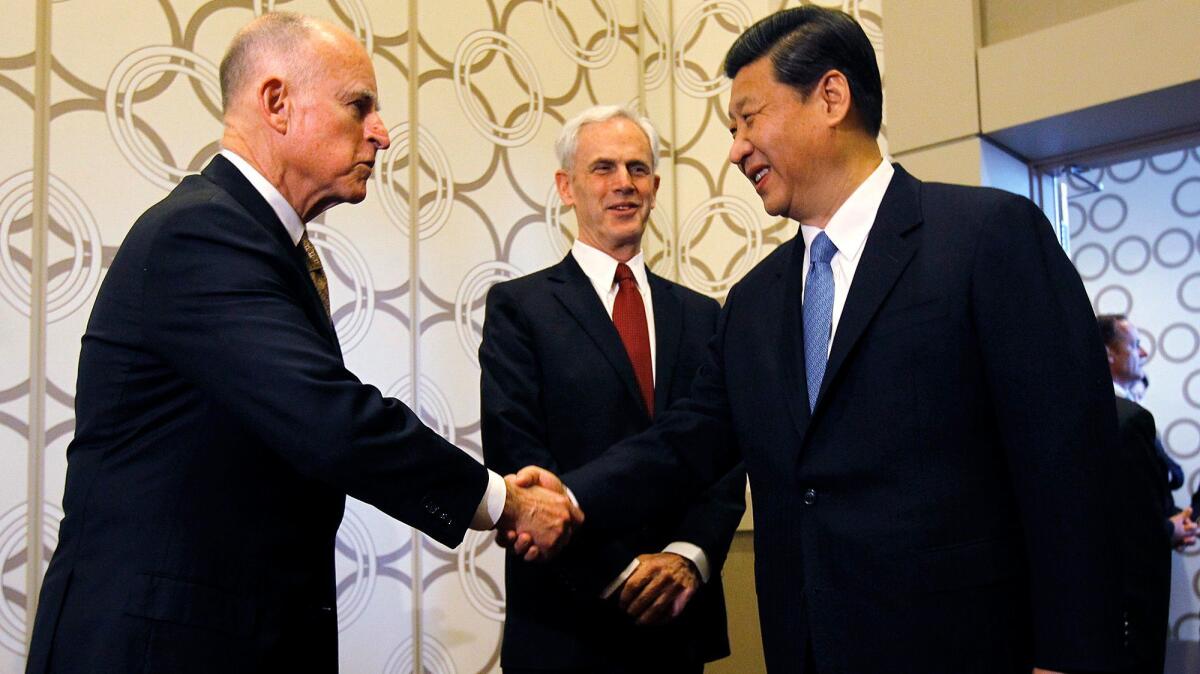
column 624, row 273
column 823, row 249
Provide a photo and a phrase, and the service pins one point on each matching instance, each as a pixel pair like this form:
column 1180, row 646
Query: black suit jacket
column 217, row 433
column 943, row 508
column 1146, row 543
column 557, row 390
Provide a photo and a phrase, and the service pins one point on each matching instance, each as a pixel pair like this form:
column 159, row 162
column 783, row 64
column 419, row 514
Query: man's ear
column 273, row 103
column 1109, row 353
column 834, row 91
column 563, row 182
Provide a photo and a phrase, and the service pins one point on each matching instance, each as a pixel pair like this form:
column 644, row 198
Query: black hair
column 1108, row 327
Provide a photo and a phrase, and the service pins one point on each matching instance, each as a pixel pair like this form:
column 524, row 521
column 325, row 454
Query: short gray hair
column 568, row 138
column 273, row 33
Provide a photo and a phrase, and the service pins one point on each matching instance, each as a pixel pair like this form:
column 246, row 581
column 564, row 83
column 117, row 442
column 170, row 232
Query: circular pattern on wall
column 1113, row 299
column 1126, row 172
column 1090, row 260
column 340, row 255
column 66, row 291
column 469, row 302
column 1191, row 389
column 474, row 48
column 1076, row 218
column 1179, row 342
column 1173, row 248
column 594, row 57
column 391, row 181
column 360, row 20
column 1186, row 197
column 656, row 49
column 1131, row 255
column 1182, row 438
column 14, row 541
column 435, row 658
column 355, row 550
column 556, row 232
column 433, row 409
column 481, row 594
column 1166, row 164
column 126, row 79
column 1188, row 292
column 726, row 11
column 1108, row 213
column 745, row 219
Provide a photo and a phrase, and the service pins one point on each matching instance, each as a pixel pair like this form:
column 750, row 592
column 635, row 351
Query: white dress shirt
column 491, row 506
column 848, row 230
column 601, row 270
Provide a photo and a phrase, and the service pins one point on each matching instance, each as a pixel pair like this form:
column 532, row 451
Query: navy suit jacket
column 217, row 434
column 557, row 390
column 945, row 506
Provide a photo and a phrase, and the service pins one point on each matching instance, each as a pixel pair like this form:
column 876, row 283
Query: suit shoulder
column 774, row 264
column 687, row 295
column 524, row 286
column 967, row 204
column 1129, row 412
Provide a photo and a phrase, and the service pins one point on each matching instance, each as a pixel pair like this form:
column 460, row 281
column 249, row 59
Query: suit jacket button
column 810, row 496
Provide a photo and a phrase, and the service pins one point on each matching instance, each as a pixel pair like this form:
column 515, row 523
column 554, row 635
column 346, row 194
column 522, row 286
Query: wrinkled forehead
column 615, row 138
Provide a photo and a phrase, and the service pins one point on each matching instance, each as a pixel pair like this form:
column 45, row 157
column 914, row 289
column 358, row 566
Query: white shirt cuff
column 694, row 554
column 620, row 580
column 491, row 506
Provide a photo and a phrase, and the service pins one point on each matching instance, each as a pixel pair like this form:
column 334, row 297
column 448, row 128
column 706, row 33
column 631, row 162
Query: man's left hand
column 660, row 588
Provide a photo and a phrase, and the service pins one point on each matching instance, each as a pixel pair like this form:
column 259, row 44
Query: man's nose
column 377, row 133
column 739, row 148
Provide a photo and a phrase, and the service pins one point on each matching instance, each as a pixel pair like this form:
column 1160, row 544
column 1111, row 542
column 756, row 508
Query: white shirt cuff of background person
column 688, row 551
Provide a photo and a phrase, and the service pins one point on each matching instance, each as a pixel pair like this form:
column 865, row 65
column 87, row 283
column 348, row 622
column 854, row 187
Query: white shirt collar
column 850, row 224
column 287, row 215
column 601, row 268
column 1120, row 391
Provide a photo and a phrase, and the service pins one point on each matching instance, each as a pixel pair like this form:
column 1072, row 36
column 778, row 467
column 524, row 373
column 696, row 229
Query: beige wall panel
column 1147, row 45
column 954, row 162
column 16, row 209
column 931, row 90
column 1005, row 19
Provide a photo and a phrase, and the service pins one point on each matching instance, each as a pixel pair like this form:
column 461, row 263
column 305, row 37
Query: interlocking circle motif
column 360, row 20
column 1176, row 446
column 1180, row 197
column 474, row 48
column 556, row 232
column 697, row 86
column 480, row 595
column 469, row 301
column 436, row 212
column 596, row 57
column 338, row 252
column 124, row 83
column 13, row 556
column 434, row 409
column 658, row 48
column 435, row 658
column 357, row 570
column 65, row 292
column 744, row 216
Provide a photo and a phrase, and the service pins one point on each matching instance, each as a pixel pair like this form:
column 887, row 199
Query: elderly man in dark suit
column 218, row 430
column 575, row 358
column 916, row 386
column 1150, row 522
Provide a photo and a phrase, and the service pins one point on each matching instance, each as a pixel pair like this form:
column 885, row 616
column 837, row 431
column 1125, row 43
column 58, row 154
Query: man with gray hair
column 218, row 430
column 575, row 358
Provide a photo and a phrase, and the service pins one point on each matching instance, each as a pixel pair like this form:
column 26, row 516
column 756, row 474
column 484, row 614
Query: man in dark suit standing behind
column 918, row 390
column 575, row 358
column 218, row 430
column 1150, row 522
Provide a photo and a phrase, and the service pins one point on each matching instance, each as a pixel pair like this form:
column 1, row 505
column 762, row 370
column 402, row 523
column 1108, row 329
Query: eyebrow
column 366, row 95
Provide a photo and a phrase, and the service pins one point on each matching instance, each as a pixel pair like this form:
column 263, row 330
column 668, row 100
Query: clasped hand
column 538, row 516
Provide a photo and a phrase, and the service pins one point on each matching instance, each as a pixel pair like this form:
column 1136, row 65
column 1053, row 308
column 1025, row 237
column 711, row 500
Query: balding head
column 277, row 39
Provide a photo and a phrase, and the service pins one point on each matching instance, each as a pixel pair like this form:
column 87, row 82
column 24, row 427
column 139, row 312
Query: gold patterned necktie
column 315, row 272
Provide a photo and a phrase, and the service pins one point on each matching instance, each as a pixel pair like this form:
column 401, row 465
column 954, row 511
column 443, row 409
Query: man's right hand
column 538, row 516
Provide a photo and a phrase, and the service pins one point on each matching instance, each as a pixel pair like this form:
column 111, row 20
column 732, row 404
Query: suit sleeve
column 1049, row 382
column 687, row 449
column 221, row 311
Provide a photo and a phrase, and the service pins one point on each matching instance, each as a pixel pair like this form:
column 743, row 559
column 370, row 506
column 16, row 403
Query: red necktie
column 629, row 315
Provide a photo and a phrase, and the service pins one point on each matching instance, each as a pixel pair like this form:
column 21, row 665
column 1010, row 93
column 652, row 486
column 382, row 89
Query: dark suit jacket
column 217, row 433
column 943, row 508
column 557, row 390
column 1146, row 543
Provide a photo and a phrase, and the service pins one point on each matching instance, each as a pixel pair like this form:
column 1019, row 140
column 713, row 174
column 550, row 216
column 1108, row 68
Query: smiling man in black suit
column 918, row 390
column 575, row 358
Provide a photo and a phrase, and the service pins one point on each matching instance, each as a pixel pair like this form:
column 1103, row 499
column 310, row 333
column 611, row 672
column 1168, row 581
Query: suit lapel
column 789, row 309
column 668, row 331
column 226, row 176
column 885, row 255
column 575, row 292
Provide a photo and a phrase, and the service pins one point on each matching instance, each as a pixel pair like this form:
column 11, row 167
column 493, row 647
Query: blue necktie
column 818, row 313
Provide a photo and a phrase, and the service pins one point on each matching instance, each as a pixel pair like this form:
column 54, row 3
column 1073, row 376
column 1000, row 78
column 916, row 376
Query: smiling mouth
column 758, row 176
column 624, row 208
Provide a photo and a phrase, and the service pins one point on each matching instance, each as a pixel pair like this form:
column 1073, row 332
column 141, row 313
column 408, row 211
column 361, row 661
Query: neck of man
column 850, row 169
column 259, row 154
column 621, row 251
